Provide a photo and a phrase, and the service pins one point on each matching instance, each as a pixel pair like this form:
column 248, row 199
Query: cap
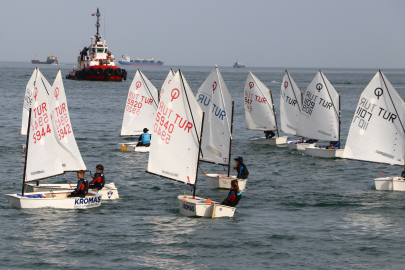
column 145, row 130
column 239, row 159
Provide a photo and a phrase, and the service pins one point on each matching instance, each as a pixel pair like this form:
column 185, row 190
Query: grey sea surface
column 299, row 212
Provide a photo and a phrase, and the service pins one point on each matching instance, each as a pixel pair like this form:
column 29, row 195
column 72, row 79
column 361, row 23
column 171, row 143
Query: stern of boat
column 272, row 141
column 324, row 153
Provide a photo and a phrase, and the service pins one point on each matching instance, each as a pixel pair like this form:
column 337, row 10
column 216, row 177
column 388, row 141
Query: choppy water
column 299, row 212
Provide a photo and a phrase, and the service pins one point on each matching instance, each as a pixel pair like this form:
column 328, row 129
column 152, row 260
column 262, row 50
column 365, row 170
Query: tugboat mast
column 98, row 37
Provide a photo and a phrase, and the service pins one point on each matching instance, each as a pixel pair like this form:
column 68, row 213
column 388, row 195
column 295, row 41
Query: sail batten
column 216, row 102
column 377, row 132
column 259, row 106
column 319, row 117
column 140, row 106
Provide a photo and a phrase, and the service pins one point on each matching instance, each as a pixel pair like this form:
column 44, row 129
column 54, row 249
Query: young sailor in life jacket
column 98, row 179
column 241, row 168
column 234, row 195
column 144, row 139
column 82, row 186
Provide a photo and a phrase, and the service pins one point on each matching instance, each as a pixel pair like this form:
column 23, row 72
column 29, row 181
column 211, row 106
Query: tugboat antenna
column 98, row 38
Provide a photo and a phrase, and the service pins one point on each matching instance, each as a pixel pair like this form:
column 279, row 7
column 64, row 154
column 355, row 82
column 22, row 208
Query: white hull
column 218, row 180
column 57, row 200
column 323, row 152
column 390, row 183
column 272, row 141
column 109, row 191
column 197, row 208
column 131, row 147
column 292, row 145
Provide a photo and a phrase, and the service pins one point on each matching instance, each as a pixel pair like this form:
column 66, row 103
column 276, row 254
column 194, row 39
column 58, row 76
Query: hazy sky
column 341, row 33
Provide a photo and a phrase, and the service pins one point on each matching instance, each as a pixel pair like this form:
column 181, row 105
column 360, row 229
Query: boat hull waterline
column 222, row 181
column 108, row 192
column 57, row 200
column 390, row 183
column 292, row 145
column 131, row 147
column 198, row 208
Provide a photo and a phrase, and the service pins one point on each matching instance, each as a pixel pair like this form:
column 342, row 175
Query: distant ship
column 51, row 60
column 238, row 65
column 126, row 60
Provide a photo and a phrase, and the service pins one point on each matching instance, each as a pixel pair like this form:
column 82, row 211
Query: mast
column 98, row 37
column 199, row 151
column 339, row 122
column 26, row 152
column 274, row 112
column 230, row 142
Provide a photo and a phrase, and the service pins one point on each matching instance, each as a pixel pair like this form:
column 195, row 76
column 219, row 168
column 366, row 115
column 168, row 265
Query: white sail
column 377, row 131
column 176, row 133
column 67, row 147
column 216, row 102
column 290, row 105
column 29, row 92
column 258, row 105
column 320, row 113
column 141, row 106
column 42, row 158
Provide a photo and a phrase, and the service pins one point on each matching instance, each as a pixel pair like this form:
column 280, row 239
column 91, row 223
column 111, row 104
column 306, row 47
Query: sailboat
column 259, row 111
column 176, row 144
column 217, row 104
column 377, row 131
column 68, row 150
column 320, row 116
column 140, row 111
column 45, row 158
column 290, row 110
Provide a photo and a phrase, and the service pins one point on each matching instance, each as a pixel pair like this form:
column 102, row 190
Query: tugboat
column 238, row 65
column 51, row 60
column 126, row 60
column 99, row 65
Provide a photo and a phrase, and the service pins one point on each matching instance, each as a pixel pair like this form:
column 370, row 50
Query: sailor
column 241, row 168
column 333, row 145
column 82, row 186
column 144, row 139
column 269, row 134
column 403, row 173
column 98, row 179
column 234, row 195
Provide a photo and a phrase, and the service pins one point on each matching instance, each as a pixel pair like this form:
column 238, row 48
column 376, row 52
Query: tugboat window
column 100, row 50
column 94, row 50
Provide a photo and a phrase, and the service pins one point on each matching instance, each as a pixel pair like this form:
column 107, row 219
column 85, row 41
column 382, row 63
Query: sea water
column 299, row 212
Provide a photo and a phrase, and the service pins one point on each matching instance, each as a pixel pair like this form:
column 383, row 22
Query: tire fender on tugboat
column 109, row 71
column 118, row 71
column 92, row 71
column 100, row 71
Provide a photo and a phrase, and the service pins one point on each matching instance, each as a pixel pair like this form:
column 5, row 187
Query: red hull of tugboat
column 99, row 73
